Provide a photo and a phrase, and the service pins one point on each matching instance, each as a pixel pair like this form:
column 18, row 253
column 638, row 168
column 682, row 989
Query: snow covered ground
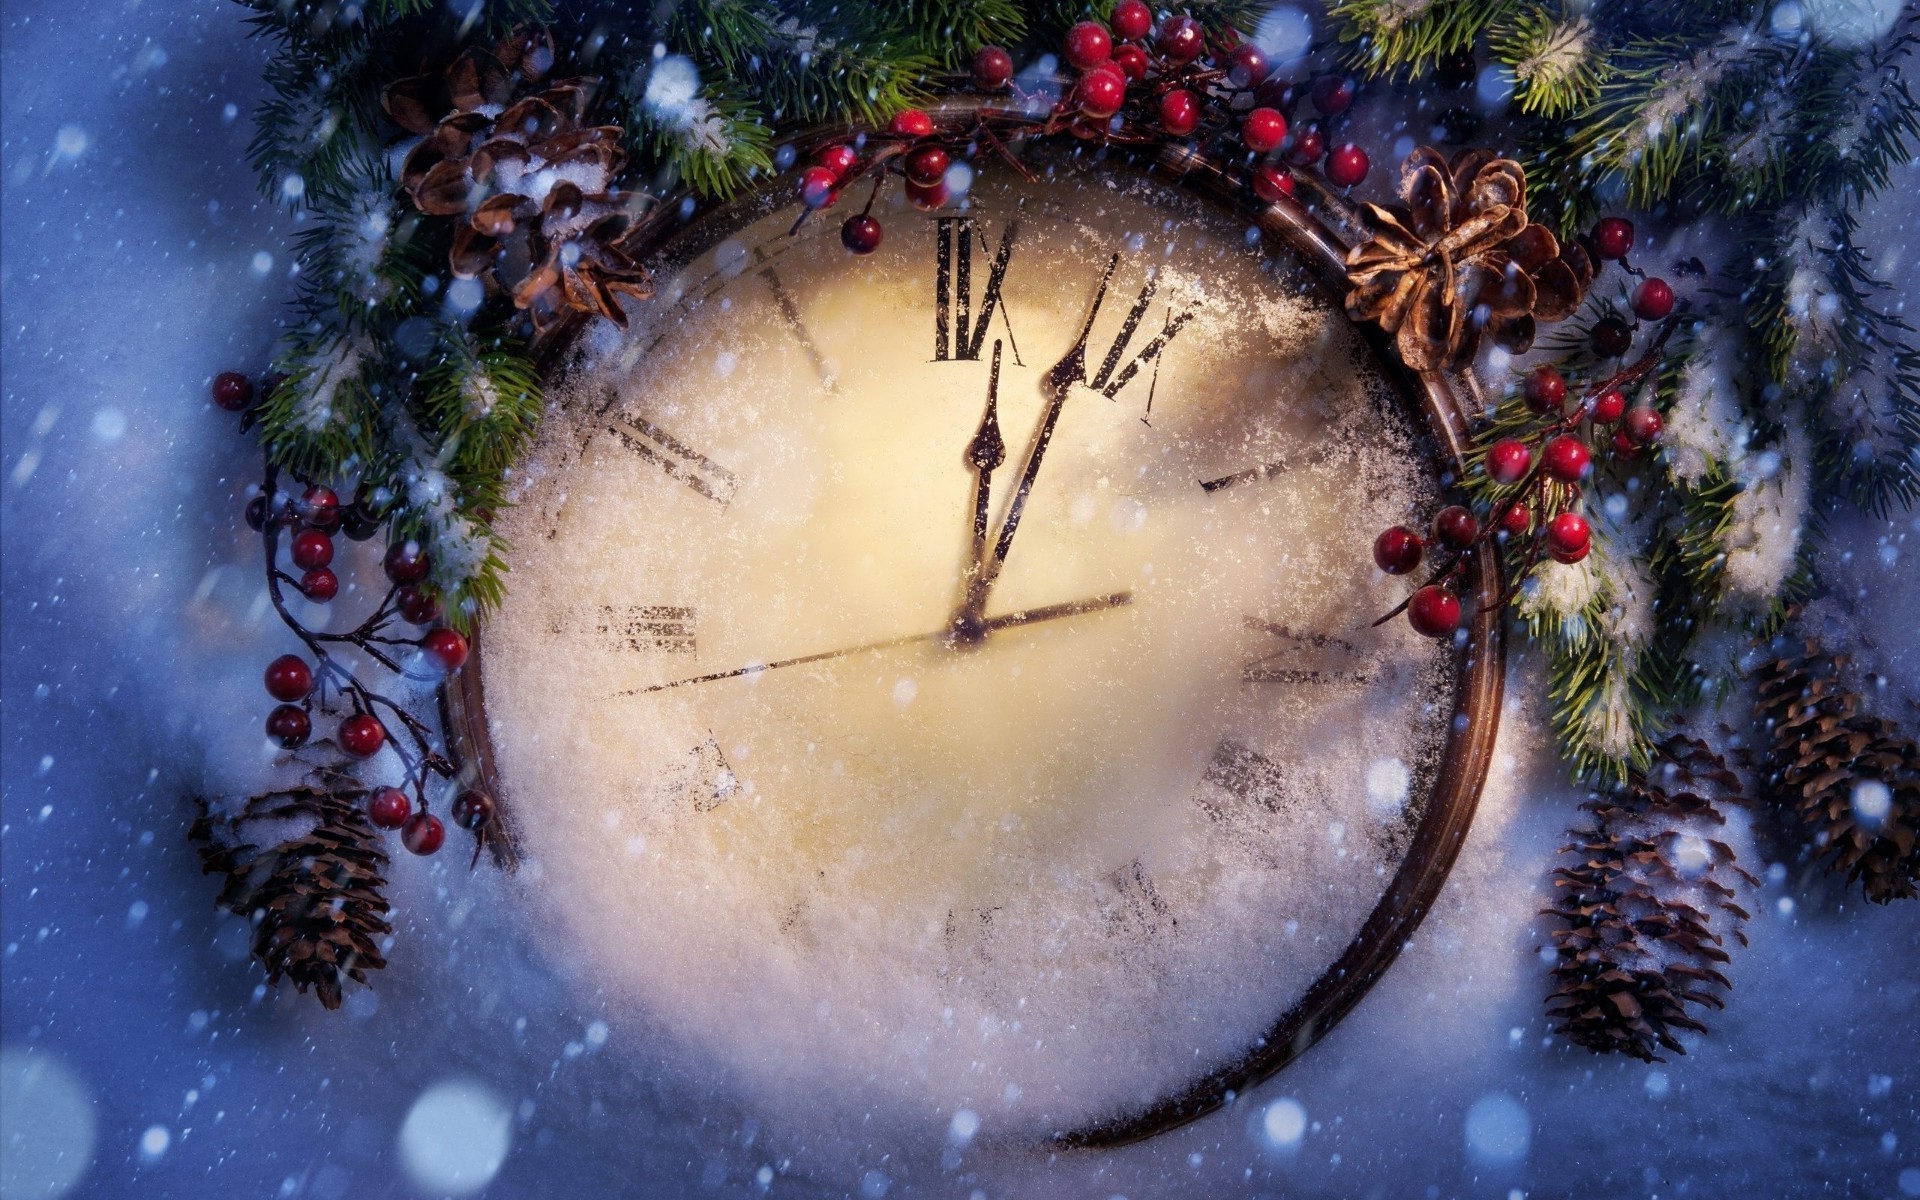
column 139, row 1056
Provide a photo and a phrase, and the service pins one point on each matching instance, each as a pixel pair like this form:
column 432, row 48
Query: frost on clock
column 927, row 878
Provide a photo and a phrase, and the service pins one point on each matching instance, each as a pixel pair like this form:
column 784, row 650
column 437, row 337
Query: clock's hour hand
column 985, row 452
column 1030, row 616
column 1070, row 370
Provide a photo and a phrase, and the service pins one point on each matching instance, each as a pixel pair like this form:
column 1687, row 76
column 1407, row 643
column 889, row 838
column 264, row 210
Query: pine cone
column 1461, row 255
column 1821, row 746
column 1647, row 910
column 315, row 897
column 531, row 180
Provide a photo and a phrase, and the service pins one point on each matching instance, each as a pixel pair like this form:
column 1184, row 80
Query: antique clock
column 949, row 675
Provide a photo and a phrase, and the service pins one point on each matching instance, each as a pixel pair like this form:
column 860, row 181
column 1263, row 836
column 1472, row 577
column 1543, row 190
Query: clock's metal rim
column 1311, row 233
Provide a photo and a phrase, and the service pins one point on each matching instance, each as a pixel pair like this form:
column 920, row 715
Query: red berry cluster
column 1189, row 81
column 326, row 684
column 909, row 147
column 1136, row 81
column 1653, row 300
column 1544, row 470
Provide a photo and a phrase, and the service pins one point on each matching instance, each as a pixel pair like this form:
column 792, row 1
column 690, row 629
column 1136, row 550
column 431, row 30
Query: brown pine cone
column 314, row 897
column 531, row 182
column 1646, row 911
column 1850, row 777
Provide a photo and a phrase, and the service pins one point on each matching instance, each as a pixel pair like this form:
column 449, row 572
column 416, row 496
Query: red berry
column 1132, row 20
column 1643, row 424
column 1508, row 461
column 1182, row 39
column 1612, row 238
column 320, row 585
column 1566, row 458
column 1433, row 611
column 1308, row 146
column 927, row 165
column 1569, row 537
column 861, row 234
column 1271, row 181
column 1624, row 446
column 472, row 809
column 311, row 549
column 1608, row 406
column 1263, row 129
column 446, row 647
column 1347, row 165
column 1132, row 61
column 417, row 605
column 423, row 833
column 1611, row 337
column 359, row 521
column 818, row 187
column 362, row 735
column 320, row 508
column 927, row 197
column 406, row 562
column 289, row 678
column 1652, row 300
column 1397, row 550
column 1546, row 391
column 992, row 68
column 1455, row 526
column 289, row 726
column 388, row 807
column 1517, row 520
column 1101, row 93
column 838, row 158
column 1088, row 45
column 1246, row 66
column 911, row 122
column 232, row 390
column 257, row 513
column 1179, row 112
column 1333, row 94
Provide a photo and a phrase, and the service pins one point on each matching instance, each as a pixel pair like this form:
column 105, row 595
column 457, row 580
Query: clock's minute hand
column 1012, row 620
column 1070, row 370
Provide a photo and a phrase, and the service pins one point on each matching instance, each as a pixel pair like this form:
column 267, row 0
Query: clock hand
column 1013, row 620
column 1070, row 370
column 985, row 452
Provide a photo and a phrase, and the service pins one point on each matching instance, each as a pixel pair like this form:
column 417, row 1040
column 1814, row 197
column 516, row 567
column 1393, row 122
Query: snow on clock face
column 945, row 677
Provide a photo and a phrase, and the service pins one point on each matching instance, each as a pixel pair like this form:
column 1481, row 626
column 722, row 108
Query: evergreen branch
column 1873, row 122
column 1658, row 117
column 805, row 62
column 716, row 144
column 320, row 421
column 1868, row 447
column 1398, row 38
column 1558, row 62
column 952, row 30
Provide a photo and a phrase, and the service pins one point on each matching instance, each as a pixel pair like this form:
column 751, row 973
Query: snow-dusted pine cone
column 314, row 894
column 511, row 155
column 1645, row 915
column 1851, row 777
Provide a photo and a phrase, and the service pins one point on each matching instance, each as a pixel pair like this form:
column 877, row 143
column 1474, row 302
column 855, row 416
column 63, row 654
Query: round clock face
column 947, row 676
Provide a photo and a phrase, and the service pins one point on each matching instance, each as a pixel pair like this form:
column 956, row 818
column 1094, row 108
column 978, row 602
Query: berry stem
column 420, row 758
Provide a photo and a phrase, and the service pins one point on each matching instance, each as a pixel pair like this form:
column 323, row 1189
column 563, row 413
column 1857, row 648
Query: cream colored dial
column 1088, row 847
